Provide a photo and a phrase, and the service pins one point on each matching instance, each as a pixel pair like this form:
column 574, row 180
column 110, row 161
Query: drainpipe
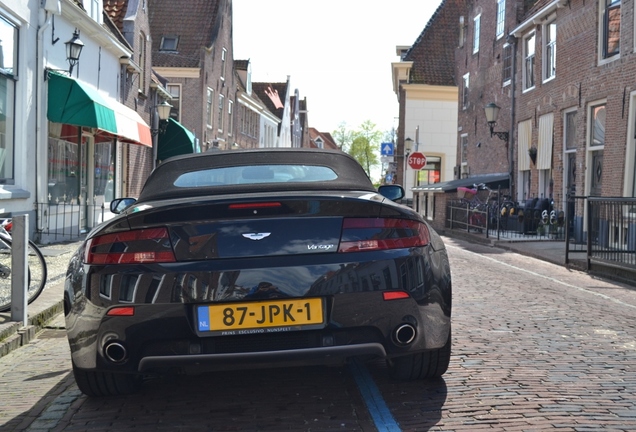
column 51, row 7
column 511, row 136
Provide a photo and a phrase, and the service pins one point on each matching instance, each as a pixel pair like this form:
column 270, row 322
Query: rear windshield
column 255, row 174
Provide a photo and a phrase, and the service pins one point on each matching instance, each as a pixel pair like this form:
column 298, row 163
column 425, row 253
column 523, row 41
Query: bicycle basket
column 466, row 193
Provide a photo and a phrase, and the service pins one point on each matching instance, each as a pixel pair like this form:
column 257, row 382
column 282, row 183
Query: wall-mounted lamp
column 492, row 112
column 163, row 112
column 73, row 51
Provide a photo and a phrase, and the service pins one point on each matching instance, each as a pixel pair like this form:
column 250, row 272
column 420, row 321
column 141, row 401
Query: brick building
column 192, row 50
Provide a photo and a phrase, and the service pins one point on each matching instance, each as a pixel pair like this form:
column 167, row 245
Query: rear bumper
column 204, row 362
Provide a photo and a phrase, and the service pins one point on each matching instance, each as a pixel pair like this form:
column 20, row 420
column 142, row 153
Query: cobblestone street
column 536, row 346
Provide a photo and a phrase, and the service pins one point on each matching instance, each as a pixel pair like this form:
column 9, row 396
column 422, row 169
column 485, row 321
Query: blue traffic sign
column 386, row 149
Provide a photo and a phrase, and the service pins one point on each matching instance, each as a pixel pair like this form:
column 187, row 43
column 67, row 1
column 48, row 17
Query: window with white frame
column 528, row 61
column 209, row 105
column 465, row 90
column 476, row 33
column 569, row 128
column 464, row 148
column 175, row 92
column 610, row 28
column 549, row 61
column 141, row 49
column 506, row 71
column 8, row 78
column 501, row 18
column 221, row 103
column 230, row 117
column 223, row 57
column 597, row 126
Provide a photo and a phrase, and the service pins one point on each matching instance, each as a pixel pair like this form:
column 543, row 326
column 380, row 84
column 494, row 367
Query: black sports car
column 257, row 258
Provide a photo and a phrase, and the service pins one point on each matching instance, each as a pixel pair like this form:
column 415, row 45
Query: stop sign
column 416, row 160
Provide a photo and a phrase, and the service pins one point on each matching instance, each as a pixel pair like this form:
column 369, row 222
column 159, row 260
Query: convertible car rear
column 257, row 258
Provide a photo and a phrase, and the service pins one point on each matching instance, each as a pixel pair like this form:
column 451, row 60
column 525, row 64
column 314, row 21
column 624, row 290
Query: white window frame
column 476, row 33
column 209, row 105
column 175, row 113
column 10, row 101
column 549, row 51
column 221, row 112
column 506, row 48
column 230, row 117
column 501, row 18
column 465, row 90
column 603, row 7
column 529, row 41
column 566, row 151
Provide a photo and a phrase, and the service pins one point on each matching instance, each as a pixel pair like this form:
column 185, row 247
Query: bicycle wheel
column 37, row 273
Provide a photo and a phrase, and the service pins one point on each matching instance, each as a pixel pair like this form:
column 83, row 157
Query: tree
column 343, row 137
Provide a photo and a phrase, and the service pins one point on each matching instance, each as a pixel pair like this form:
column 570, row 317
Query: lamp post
column 73, row 50
column 163, row 112
column 408, row 146
column 492, row 112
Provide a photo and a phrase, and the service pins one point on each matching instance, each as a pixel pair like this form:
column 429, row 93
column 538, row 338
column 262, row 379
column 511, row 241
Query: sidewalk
column 46, row 308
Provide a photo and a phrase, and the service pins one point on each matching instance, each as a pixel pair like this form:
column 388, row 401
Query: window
column 570, row 130
column 476, row 31
column 528, row 62
column 209, row 106
column 597, row 132
column 464, row 148
column 141, row 59
column 611, row 27
column 8, row 77
column 319, row 142
column 223, row 55
column 507, row 64
column 221, row 102
column 549, row 38
column 465, row 88
column 175, row 92
column 230, row 117
column 501, row 17
column 169, row 43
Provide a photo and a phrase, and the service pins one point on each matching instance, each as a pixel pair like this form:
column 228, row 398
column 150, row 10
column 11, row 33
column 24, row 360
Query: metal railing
column 536, row 219
column 604, row 228
column 67, row 221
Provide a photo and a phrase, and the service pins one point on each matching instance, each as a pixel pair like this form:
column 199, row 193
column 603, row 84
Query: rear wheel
column 94, row 383
column 36, row 268
column 423, row 365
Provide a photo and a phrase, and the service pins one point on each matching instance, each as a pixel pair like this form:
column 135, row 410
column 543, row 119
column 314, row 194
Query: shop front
column 86, row 132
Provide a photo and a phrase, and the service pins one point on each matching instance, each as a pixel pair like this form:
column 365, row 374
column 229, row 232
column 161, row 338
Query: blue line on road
column 380, row 413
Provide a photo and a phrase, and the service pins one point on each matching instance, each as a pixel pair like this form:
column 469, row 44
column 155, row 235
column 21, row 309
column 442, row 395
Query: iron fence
column 67, row 221
column 536, row 219
column 604, row 228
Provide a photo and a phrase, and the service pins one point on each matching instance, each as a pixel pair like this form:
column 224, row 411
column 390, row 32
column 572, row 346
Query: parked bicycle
column 478, row 206
column 36, row 265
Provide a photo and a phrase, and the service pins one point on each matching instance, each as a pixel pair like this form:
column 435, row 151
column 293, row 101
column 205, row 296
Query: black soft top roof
column 160, row 184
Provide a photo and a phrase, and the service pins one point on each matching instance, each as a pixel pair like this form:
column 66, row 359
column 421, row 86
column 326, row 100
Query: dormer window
column 319, row 143
column 169, row 43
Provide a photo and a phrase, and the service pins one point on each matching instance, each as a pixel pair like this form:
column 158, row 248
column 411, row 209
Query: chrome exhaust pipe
column 404, row 334
column 115, row 352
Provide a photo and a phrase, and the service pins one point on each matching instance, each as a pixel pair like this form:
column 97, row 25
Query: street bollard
column 19, row 269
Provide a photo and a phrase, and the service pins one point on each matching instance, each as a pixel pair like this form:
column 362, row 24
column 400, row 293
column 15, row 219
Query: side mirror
column 120, row 204
column 392, row 192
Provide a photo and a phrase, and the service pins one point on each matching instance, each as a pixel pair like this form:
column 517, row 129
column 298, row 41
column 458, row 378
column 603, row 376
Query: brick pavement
column 536, row 347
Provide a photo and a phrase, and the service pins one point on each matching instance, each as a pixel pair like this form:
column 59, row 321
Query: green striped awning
column 75, row 103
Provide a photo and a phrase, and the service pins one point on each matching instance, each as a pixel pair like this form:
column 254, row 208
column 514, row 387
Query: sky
column 337, row 53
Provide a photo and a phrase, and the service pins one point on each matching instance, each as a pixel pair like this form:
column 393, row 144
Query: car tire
column 423, row 365
column 97, row 384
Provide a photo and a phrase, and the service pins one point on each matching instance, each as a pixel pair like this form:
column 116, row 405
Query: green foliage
column 363, row 144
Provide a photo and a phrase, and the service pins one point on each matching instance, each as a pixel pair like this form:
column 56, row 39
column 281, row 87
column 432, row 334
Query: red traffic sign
column 416, row 160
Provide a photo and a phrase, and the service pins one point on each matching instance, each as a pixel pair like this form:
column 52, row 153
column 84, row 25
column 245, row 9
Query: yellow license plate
column 261, row 317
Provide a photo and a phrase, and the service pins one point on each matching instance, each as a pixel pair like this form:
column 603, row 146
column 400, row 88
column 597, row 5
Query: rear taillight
column 150, row 245
column 367, row 234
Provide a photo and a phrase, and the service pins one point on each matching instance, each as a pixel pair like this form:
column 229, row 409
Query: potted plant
column 532, row 151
